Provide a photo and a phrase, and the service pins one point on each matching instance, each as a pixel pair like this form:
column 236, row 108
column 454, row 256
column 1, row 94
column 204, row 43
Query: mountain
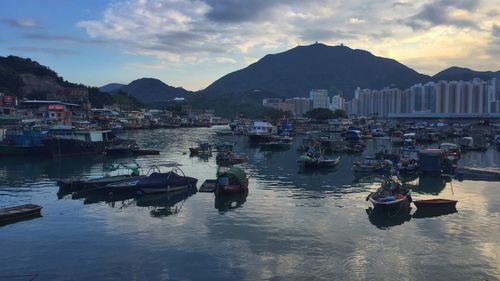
column 456, row 73
column 25, row 78
column 298, row 70
column 111, row 87
column 150, row 90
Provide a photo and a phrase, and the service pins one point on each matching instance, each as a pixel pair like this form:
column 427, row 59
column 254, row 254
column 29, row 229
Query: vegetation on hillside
column 126, row 101
column 325, row 114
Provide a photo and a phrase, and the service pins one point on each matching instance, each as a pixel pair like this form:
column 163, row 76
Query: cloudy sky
column 191, row 43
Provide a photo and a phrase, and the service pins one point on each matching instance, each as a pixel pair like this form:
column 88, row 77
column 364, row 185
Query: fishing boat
column 19, row 213
column 275, row 145
column 372, row 165
column 391, row 194
column 261, row 132
column 435, row 203
column 156, row 181
column 232, row 180
column 203, row 149
column 450, row 150
column 397, row 138
column 228, row 158
column 22, row 141
column 66, row 141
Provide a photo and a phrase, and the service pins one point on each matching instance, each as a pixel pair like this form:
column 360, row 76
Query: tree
column 339, row 113
column 320, row 114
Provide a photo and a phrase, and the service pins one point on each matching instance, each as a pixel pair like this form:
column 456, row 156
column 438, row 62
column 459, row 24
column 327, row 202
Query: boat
column 451, row 150
column 397, row 138
column 434, row 208
column 261, row 132
column 228, row 158
column 156, row 181
column 390, row 195
column 276, row 145
column 435, row 203
column 232, row 180
column 203, row 149
column 372, row 165
column 318, row 161
column 125, row 172
column 478, row 174
column 65, row 141
column 22, row 141
column 431, row 161
column 19, row 213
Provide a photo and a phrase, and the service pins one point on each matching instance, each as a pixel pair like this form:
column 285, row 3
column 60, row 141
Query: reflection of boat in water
column 19, row 213
column 433, row 212
column 225, row 202
column 165, row 204
column 385, row 219
column 390, row 195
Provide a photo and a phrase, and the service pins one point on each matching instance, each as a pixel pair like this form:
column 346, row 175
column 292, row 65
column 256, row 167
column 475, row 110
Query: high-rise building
column 319, row 98
column 300, row 105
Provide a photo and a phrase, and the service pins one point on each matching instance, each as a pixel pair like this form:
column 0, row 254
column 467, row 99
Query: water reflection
column 385, row 219
column 435, row 212
column 427, row 184
column 163, row 205
column 226, row 202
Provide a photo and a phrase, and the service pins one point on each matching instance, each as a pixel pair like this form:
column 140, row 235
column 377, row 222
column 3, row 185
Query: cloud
column 494, row 43
column 61, row 38
column 22, row 22
column 441, row 12
column 51, row 51
column 178, row 32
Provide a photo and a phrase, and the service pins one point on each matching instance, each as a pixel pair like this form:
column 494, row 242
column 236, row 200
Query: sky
column 191, row 43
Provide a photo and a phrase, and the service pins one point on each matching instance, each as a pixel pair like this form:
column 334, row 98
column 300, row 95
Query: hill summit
column 296, row 71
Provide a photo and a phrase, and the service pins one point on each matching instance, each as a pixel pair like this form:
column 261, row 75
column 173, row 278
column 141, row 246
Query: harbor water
column 293, row 225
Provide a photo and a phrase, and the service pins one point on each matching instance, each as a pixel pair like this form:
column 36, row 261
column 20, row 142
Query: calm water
column 293, row 225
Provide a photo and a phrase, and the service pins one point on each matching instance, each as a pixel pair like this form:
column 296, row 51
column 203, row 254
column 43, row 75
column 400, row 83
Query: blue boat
column 22, row 141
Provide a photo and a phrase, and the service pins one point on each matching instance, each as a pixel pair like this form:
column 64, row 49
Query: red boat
column 435, row 203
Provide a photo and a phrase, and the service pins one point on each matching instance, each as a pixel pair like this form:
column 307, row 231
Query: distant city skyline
column 192, row 43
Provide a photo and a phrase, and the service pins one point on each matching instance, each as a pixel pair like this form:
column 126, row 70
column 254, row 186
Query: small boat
column 228, row 158
column 156, row 181
column 125, row 172
column 19, row 213
column 203, row 149
column 391, row 194
column 372, row 165
column 318, row 162
column 276, row 145
column 232, row 180
column 435, row 203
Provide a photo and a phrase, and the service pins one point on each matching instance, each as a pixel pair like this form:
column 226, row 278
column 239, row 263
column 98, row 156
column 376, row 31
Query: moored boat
column 232, row 180
column 19, row 213
column 391, row 194
column 156, row 181
column 435, row 203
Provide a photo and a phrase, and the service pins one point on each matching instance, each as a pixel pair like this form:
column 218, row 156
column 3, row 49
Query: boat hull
column 19, row 213
column 59, row 148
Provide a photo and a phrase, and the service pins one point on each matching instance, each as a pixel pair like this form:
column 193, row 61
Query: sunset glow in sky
column 192, row 43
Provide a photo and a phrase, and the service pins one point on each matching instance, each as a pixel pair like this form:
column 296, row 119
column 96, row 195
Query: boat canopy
column 236, row 173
